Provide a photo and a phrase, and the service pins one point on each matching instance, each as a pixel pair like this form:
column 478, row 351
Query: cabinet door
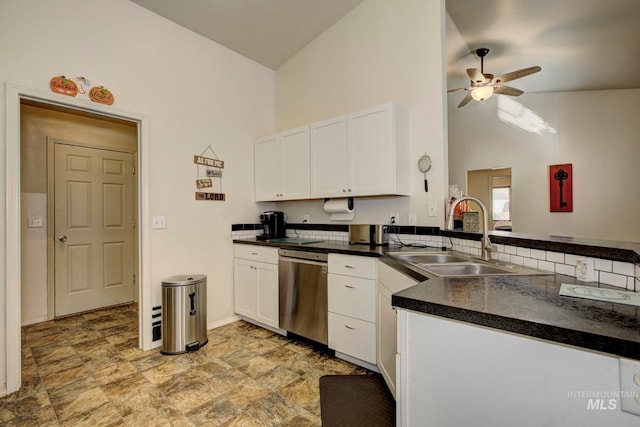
column 294, row 153
column 390, row 281
column 267, row 291
column 329, row 157
column 267, row 169
column 245, row 285
column 387, row 336
column 372, row 151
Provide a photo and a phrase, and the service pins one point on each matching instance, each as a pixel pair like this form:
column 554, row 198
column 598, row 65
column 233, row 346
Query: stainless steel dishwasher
column 303, row 293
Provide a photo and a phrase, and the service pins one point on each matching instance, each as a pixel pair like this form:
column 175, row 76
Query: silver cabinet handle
column 348, row 266
column 254, row 253
column 62, row 238
column 349, row 286
column 349, row 327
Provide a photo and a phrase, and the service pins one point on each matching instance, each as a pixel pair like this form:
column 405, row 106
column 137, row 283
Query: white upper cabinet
column 282, row 166
column 329, row 158
column 365, row 153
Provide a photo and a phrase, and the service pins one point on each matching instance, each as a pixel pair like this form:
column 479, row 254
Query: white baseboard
column 262, row 325
column 358, row 362
column 223, row 322
column 35, row 320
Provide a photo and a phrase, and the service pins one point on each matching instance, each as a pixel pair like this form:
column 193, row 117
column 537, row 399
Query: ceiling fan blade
column 507, row 90
column 475, row 75
column 516, row 74
column 458, row 89
column 465, row 101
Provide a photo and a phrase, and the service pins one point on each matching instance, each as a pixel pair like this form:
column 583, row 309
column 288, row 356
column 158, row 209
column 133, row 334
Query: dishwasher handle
column 301, row 261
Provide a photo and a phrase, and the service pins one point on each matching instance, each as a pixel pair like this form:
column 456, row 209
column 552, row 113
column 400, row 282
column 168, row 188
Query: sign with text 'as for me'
column 212, row 169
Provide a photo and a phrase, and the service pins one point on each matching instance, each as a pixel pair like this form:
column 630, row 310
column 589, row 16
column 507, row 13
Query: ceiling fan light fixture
column 481, row 93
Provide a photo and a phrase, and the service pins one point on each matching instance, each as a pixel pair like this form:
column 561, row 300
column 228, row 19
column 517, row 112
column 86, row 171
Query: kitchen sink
column 468, row 269
column 429, row 258
column 445, row 264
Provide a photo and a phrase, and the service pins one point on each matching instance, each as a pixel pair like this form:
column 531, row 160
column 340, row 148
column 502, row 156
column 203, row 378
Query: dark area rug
column 356, row 400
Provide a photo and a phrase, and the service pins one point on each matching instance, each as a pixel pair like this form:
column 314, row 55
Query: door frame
column 13, row 95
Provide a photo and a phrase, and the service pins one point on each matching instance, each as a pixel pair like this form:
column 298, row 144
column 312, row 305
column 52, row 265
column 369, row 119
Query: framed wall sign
column 561, row 188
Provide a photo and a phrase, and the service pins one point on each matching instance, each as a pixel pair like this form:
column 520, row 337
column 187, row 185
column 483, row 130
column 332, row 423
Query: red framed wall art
column 561, row 188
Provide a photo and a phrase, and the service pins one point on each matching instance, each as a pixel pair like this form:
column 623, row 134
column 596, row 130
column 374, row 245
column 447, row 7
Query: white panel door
column 94, row 212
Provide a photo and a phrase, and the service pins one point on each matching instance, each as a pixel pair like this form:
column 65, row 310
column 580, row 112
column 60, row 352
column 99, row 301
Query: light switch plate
column 34, row 221
column 159, row 222
column 630, row 386
column 432, row 209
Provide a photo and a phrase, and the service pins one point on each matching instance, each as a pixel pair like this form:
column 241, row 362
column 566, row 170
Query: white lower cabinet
column 390, row 281
column 255, row 279
column 352, row 306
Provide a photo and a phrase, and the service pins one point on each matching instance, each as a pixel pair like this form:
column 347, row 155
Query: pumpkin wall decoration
column 81, row 85
column 63, row 85
column 101, row 95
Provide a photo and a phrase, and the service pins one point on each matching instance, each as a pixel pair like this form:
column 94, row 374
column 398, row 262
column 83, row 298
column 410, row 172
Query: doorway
column 493, row 187
column 15, row 95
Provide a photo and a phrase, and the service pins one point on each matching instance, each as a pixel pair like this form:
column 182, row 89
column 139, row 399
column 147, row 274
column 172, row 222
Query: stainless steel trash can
column 184, row 313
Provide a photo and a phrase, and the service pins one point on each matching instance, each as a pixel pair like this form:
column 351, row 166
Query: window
column 501, row 198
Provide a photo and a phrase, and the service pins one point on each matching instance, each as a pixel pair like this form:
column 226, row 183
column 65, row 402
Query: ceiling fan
column 483, row 85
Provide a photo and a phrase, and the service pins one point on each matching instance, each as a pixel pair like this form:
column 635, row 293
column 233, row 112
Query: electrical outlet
column 630, row 386
column 585, row 269
column 305, row 218
column 394, row 218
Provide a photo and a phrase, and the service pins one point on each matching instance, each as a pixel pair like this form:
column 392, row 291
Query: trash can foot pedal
column 193, row 346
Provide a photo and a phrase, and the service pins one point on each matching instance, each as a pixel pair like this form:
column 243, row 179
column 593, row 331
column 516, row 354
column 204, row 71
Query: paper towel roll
column 340, row 209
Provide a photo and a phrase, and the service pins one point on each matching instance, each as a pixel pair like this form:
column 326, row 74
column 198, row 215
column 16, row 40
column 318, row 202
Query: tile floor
column 87, row 370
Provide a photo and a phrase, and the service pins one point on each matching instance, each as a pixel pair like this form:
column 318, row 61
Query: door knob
column 62, row 238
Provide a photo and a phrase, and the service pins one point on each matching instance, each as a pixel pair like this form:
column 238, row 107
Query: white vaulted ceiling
column 267, row 31
column 580, row 44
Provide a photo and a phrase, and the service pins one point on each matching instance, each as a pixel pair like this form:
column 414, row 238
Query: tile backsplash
column 620, row 274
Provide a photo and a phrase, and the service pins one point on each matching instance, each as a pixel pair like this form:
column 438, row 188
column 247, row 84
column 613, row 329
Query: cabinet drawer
column 256, row 253
column 352, row 296
column 353, row 337
column 350, row 265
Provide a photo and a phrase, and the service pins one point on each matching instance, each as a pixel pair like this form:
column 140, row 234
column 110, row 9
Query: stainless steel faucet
column 486, row 243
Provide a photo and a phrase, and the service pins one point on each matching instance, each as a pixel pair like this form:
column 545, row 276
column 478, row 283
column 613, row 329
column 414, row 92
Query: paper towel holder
column 349, row 201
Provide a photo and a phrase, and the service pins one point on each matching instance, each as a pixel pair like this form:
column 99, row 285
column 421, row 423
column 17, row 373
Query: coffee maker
column 272, row 224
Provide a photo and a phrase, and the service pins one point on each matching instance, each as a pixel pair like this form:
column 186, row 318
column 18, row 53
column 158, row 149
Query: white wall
column 596, row 131
column 381, row 51
column 195, row 93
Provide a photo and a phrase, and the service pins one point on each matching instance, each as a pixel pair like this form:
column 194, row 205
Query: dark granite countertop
column 526, row 305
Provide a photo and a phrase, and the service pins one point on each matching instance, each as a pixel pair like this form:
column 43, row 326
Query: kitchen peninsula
column 507, row 327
